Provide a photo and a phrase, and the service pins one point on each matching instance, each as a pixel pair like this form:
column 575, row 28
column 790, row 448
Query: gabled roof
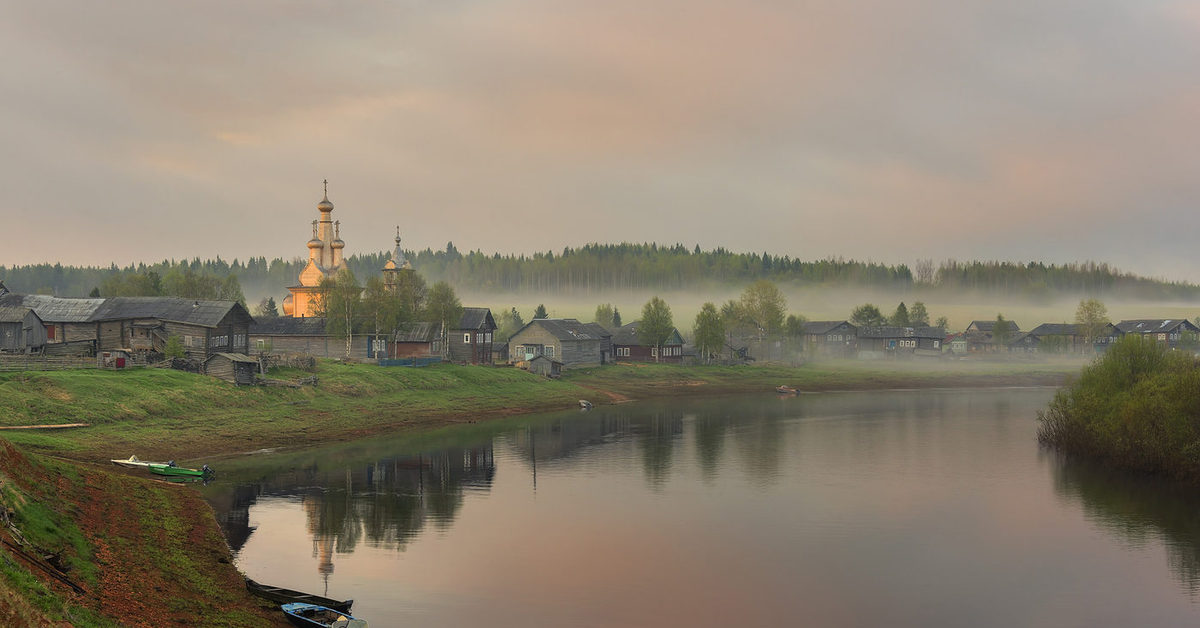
column 1055, row 329
column 1155, row 325
column 288, row 326
column 418, row 332
column 173, row 309
column 476, row 318
column 989, row 326
column 901, row 332
column 824, row 327
column 627, row 335
column 1021, row 336
column 54, row 309
column 568, row 329
column 14, row 314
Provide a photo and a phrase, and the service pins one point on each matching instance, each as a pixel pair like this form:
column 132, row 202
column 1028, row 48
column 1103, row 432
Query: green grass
column 165, row 414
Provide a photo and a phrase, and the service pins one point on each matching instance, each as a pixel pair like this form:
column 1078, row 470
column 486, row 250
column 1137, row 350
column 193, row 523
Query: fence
column 44, row 363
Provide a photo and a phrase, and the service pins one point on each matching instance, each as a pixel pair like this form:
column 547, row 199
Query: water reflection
column 1138, row 510
column 889, row 508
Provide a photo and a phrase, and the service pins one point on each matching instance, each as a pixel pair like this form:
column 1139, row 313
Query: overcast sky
column 890, row 131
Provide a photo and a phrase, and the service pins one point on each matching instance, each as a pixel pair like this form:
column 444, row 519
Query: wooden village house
column 68, row 322
column 837, row 339
column 979, row 336
column 628, row 347
column 900, row 342
column 565, row 340
column 143, row 324
column 1169, row 331
column 471, row 341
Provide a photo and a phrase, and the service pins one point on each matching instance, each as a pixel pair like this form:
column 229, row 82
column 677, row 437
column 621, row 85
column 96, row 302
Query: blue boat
column 312, row 616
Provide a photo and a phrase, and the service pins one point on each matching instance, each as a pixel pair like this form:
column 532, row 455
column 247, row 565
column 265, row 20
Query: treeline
column 601, row 268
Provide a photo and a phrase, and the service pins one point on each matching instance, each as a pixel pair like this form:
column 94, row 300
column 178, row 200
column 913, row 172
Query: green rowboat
column 174, row 471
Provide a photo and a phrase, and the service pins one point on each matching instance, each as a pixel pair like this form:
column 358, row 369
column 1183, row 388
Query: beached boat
column 284, row 596
column 585, row 404
column 313, row 615
column 171, row 470
column 132, row 462
column 787, row 390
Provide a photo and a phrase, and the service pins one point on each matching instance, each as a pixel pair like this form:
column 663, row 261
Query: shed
column 231, row 367
column 21, row 331
column 543, row 365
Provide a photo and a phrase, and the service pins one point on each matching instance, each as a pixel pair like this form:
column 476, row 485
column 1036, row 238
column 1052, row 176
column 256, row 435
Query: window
column 549, row 351
column 467, row 339
column 187, row 341
column 937, row 343
column 260, row 344
column 239, row 340
column 622, row 352
column 487, row 337
column 479, row 338
column 654, row 352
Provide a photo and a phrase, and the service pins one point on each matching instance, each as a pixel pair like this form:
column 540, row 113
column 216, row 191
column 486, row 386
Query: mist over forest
column 570, row 283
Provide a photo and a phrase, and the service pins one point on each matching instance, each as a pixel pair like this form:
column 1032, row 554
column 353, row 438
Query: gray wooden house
column 563, row 339
column 417, row 340
column 837, row 339
column 21, row 331
column 68, row 322
column 628, row 347
column 305, row 335
column 232, row 367
column 1166, row 330
column 471, row 341
column 142, row 324
column 900, row 342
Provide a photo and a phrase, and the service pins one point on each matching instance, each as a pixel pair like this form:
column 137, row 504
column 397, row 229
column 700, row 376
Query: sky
column 886, row 131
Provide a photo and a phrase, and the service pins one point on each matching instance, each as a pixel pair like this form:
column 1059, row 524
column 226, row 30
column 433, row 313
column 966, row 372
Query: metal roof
column 824, row 327
column 901, row 332
column 568, row 329
column 288, row 326
column 54, row 309
column 476, row 318
column 990, row 325
column 14, row 314
column 1055, row 329
column 627, row 335
column 174, row 309
column 418, row 332
column 1154, row 325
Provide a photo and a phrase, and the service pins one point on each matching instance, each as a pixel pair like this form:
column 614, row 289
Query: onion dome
column 325, row 205
column 315, row 243
column 338, row 244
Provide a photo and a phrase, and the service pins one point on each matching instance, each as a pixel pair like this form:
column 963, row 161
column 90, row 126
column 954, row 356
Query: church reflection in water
column 353, row 496
column 383, row 503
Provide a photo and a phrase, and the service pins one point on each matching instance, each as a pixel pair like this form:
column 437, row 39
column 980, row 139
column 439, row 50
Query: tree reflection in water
column 1138, row 509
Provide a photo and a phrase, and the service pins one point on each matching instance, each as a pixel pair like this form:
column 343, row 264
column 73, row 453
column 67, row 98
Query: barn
column 231, row 367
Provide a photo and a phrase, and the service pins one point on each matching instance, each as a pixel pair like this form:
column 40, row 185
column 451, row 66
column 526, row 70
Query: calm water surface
column 929, row 508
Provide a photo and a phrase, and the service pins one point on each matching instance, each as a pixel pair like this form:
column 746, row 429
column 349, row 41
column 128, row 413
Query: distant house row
column 844, row 339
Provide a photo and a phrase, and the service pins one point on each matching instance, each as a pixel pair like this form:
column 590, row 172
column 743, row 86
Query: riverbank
column 85, row 547
column 164, row 414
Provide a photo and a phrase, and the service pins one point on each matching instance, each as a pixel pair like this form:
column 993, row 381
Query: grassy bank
column 1137, row 408
column 91, row 548
column 157, row 413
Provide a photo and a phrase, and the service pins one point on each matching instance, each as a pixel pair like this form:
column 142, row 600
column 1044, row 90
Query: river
column 892, row 508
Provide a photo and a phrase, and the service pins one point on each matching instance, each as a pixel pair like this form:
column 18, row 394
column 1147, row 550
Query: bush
column 1138, row 407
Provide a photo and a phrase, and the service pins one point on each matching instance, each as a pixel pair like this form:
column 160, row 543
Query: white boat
column 132, row 462
column 585, row 404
